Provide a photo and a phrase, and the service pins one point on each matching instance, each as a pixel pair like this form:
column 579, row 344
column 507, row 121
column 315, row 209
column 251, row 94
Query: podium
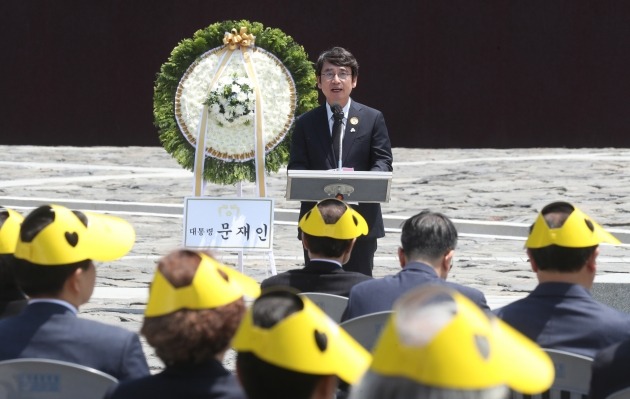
column 350, row 186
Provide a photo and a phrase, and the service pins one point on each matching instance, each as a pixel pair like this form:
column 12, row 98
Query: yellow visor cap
column 68, row 240
column 350, row 225
column 9, row 231
column 307, row 341
column 438, row 337
column 209, row 289
column 578, row 231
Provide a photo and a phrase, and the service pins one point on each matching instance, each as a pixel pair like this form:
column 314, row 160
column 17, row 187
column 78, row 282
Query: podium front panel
column 310, row 185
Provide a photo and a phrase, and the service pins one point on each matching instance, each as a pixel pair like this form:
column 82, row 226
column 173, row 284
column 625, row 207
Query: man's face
column 336, row 89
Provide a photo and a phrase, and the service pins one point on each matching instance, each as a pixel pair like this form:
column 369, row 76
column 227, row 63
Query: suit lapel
column 352, row 129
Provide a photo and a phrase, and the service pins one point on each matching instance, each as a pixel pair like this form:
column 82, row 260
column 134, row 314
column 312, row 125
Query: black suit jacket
column 366, row 147
column 610, row 372
column 380, row 294
column 208, row 381
column 52, row 331
column 565, row 316
column 318, row 276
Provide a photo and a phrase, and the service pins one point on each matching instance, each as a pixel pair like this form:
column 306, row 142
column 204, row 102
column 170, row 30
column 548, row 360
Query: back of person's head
column 331, row 227
column 10, row 222
column 195, row 306
column 337, row 56
column 55, row 241
column 428, row 235
column 438, row 344
column 286, row 346
column 563, row 238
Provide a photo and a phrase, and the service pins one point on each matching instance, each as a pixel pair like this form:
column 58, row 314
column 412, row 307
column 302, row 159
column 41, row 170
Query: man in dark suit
column 54, row 267
column 560, row 312
column 363, row 139
column 329, row 231
column 426, row 256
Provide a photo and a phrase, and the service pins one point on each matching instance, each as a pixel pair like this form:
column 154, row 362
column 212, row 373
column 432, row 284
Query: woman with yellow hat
column 195, row 306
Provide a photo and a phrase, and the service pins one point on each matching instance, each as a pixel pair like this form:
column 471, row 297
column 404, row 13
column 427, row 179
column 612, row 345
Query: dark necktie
column 336, row 135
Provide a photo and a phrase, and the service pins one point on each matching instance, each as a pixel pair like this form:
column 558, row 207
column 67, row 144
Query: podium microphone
column 336, row 133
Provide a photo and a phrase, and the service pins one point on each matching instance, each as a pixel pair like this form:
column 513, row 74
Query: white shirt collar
column 346, row 109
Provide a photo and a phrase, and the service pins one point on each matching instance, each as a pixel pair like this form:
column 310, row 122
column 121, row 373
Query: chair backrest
column 30, row 378
column 573, row 376
column 367, row 328
column 332, row 305
column 620, row 394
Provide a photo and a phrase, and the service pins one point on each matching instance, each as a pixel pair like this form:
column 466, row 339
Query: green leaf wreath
column 282, row 46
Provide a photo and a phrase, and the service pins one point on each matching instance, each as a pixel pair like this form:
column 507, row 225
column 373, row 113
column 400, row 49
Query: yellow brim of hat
column 350, row 225
column 471, row 351
column 574, row 233
column 67, row 240
column 293, row 344
column 9, row 231
column 208, row 290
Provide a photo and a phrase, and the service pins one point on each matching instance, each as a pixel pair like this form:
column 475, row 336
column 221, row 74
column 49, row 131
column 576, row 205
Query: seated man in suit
column 54, row 267
column 426, row 256
column 438, row 344
column 288, row 348
column 560, row 312
column 329, row 231
column 12, row 299
column 194, row 308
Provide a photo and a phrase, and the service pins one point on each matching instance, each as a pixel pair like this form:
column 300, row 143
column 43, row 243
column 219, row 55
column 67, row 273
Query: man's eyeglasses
column 341, row 75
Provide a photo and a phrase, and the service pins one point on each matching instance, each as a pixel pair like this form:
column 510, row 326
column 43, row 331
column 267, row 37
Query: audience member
column 439, row 345
column 428, row 242
column 288, row 348
column 329, row 231
column 12, row 299
column 560, row 312
column 195, row 306
column 54, row 267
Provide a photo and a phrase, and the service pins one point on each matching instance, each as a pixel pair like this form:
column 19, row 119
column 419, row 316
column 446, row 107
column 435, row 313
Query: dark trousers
column 361, row 258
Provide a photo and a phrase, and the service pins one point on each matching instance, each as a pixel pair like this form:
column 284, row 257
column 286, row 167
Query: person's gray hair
column 376, row 386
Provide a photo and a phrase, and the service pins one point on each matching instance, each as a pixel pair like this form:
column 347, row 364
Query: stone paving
column 476, row 185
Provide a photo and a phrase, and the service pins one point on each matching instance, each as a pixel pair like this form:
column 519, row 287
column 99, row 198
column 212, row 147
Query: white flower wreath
column 232, row 101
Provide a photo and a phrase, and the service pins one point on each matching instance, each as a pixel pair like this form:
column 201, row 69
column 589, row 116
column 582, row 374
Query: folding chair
column 332, row 305
column 31, row 378
column 367, row 328
column 573, row 377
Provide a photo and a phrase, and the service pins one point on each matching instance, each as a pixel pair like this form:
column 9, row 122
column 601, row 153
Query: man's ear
column 305, row 242
column 532, row 262
column 402, row 259
column 73, row 282
column 325, row 388
column 591, row 262
column 447, row 261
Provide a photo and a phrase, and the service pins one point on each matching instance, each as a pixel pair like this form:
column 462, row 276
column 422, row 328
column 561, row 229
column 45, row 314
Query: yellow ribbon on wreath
column 234, row 40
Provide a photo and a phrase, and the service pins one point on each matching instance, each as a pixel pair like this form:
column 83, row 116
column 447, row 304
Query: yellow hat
column 438, row 337
column 68, row 240
column 307, row 341
column 350, row 225
column 578, row 231
column 9, row 231
column 208, row 290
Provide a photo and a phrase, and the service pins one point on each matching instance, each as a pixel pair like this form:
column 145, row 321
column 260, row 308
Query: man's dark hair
column 331, row 211
column 41, row 280
column 428, row 235
column 555, row 257
column 337, row 56
column 260, row 379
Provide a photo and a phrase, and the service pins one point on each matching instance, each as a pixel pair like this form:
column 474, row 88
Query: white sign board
column 228, row 223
